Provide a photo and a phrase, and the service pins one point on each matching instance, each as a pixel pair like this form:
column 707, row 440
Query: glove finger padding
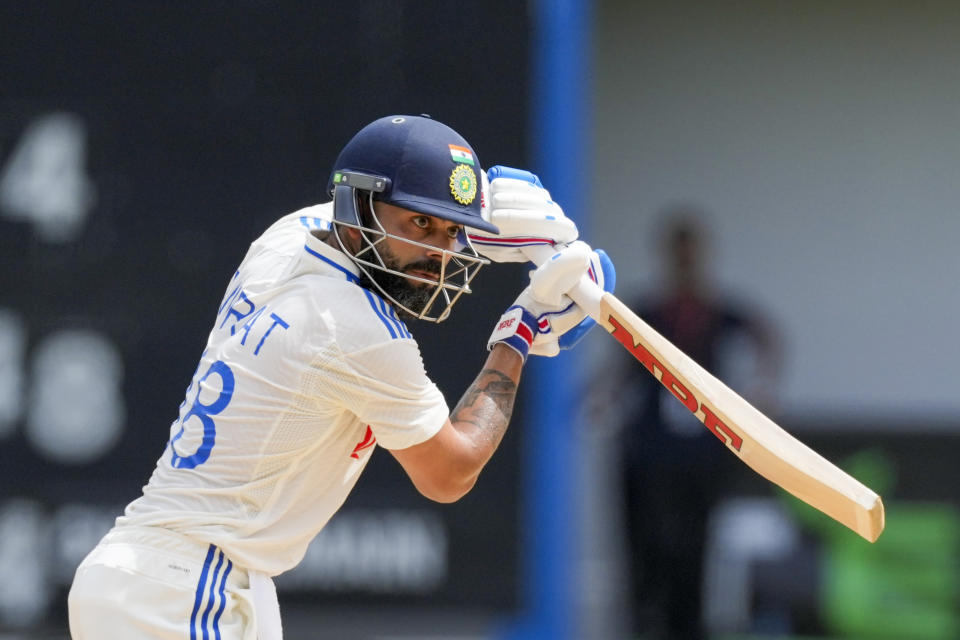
column 529, row 227
column 510, row 193
column 559, row 273
column 543, row 315
column 523, row 212
column 563, row 329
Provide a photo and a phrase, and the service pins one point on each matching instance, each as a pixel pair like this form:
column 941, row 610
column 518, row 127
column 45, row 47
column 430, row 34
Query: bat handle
column 586, row 293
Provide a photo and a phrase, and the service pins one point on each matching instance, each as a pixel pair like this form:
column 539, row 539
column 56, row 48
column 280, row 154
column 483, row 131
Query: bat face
column 697, row 407
column 752, row 436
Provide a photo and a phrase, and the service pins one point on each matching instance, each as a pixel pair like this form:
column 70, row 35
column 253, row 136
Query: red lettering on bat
column 667, row 378
column 676, row 388
column 719, row 429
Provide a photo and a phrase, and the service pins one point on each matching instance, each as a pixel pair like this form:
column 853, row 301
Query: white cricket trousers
column 149, row 582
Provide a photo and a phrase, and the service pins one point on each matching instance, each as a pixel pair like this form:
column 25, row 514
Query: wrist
column 515, row 329
column 505, row 359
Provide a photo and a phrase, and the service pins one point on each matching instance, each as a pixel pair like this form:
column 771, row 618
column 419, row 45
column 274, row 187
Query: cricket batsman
column 309, row 364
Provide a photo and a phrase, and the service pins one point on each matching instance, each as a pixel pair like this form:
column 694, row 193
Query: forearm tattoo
column 487, row 404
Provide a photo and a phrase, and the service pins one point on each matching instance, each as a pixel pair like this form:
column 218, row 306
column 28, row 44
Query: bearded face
column 420, row 264
column 412, row 295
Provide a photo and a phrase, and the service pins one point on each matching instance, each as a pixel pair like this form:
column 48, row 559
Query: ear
column 351, row 238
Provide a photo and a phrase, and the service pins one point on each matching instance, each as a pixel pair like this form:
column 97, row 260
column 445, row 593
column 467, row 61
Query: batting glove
column 516, row 202
column 548, row 321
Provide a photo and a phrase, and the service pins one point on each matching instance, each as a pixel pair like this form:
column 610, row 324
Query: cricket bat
column 749, row 434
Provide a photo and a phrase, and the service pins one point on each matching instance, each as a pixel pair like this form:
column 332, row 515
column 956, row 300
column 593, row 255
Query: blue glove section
column 522, row 338
column 609, row 271
column 500, row 171
column 570, row 339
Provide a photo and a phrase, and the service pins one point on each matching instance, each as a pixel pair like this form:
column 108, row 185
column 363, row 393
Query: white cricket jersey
column 304, row 371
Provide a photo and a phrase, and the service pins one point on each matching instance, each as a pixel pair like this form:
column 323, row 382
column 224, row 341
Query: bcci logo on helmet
column 463, row 184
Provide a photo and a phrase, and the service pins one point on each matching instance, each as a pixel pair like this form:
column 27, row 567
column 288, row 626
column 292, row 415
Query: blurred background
column 776, row 182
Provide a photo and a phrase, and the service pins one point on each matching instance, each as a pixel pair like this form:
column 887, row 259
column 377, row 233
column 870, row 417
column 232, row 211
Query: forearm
column 484, row 411
column 446, row 466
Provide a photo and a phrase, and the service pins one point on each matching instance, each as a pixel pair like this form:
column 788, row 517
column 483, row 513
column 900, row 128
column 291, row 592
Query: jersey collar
column 320, row 252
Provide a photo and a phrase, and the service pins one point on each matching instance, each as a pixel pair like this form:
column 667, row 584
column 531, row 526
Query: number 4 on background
column 44, row 181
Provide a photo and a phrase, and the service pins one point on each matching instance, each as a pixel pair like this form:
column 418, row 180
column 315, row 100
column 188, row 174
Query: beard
column 413, row 296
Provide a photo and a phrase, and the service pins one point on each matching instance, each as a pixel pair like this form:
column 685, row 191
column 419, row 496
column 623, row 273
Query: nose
column 438, row 255
column 439, row 242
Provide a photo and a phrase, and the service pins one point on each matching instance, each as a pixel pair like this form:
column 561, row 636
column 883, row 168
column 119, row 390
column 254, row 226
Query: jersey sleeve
column 386, row 387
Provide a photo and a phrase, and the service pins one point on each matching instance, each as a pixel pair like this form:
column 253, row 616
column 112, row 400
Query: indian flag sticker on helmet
column 463, row 184
column 461, row 154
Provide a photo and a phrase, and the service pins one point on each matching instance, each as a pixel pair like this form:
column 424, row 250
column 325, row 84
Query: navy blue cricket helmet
column 412, row 162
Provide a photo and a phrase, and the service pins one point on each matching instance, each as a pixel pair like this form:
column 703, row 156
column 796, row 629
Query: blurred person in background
column 309, row 365
column 673, row 468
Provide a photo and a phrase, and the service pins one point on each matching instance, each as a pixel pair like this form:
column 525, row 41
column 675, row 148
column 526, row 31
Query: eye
column 454, row 232
column 421, row 221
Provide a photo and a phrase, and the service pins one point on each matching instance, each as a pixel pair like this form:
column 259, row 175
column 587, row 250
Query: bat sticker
column 667, row 378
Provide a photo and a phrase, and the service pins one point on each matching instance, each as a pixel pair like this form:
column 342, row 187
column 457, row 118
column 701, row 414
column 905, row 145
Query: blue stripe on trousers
column 213, row 585
column 199, row 596
column 223, row 599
